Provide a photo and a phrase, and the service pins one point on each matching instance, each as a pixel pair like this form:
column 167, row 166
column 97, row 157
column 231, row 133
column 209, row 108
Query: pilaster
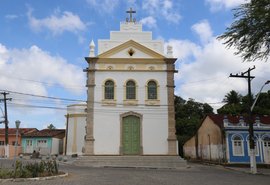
column 90, row 84
column 172, row 141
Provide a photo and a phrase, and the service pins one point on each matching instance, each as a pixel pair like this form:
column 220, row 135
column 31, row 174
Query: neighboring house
column 226, row 138
column 12, row 139
column 46, row 142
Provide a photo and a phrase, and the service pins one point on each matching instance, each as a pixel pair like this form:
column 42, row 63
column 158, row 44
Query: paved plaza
column 196, row 174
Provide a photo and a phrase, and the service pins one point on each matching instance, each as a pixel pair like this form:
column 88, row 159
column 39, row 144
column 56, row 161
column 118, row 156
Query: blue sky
column 43, row 45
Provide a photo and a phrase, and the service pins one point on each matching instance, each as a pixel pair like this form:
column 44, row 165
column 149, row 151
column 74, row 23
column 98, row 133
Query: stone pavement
column 196, row 174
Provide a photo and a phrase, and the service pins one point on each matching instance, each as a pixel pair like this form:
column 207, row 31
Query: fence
column 10, row 152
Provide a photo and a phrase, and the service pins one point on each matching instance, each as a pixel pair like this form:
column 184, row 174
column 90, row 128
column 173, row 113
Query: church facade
column 130, row 96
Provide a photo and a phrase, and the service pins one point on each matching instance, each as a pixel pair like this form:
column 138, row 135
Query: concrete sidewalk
column 260, row 171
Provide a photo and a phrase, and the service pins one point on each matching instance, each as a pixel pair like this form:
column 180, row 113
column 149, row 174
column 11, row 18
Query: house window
column 42, row 143
column 266, row 142
column 2, row 142
column 152, row 90
column 29, row 143
column 238, row 148
column 130, row 90
column 109, row 90
column 13, row 143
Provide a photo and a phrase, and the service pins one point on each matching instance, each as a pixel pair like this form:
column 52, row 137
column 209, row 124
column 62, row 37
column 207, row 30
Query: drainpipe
column 209, row 143
column 66, row 134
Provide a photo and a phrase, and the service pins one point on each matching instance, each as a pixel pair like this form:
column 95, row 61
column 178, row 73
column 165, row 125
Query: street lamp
column 252, row 151
column 3, row 116
column 17, row 123
column 253, row 105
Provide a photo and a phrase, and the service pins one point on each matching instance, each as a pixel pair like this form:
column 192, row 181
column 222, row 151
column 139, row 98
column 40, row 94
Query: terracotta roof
column 46, row 133
column 22, row 131
column 218, row 119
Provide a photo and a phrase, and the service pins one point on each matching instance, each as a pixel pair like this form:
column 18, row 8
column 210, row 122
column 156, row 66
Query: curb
column 247, row 171
column 34, row 179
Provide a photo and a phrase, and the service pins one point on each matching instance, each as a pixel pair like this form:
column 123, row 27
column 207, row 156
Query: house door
column 131, row 135
column 29, row 146
column 266, row 150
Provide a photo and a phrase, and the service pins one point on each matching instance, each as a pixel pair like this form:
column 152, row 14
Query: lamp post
column 3, row 116
column 253, row 164
column 253, row 105
column 17, row 123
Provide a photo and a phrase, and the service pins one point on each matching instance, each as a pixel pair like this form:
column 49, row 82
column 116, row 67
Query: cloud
column 203, row 30
column 102, row 6
column 162, row 9
column 216, row 5
column 149, row 21
column 204, row 71
column 57, row 22
column 21, row 68
column 11, row 16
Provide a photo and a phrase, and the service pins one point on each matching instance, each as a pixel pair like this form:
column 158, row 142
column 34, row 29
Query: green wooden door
column 131, row 135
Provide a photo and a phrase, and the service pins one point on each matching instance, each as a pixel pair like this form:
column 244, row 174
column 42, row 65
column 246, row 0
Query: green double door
column 131, row 135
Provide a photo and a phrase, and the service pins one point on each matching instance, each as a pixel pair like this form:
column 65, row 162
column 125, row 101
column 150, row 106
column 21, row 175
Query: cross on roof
column 130, row 11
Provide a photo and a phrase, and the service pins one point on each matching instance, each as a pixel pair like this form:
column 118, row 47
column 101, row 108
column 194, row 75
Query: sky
column 43, row 45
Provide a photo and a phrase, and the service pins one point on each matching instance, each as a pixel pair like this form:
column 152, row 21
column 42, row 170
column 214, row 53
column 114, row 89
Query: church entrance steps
column 132, row 161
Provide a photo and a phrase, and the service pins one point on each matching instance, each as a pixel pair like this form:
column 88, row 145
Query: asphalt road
column 195, row 175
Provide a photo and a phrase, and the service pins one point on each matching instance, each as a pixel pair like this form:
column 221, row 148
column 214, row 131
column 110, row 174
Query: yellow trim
column 75, row 105
column 74, row 144
column 128, row 44
column 77, row 115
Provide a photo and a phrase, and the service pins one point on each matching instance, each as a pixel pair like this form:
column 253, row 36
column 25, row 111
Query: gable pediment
column 131, row 49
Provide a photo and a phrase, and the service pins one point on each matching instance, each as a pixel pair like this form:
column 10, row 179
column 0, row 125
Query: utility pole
column 6, row 115
column 246, row 75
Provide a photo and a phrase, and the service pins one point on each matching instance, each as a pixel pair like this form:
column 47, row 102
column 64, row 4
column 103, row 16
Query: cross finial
column 130, row 11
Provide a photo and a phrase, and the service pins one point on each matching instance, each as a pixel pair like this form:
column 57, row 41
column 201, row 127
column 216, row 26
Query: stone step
column 132, row 161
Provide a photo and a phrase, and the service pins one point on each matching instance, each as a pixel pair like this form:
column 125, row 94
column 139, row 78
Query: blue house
column 46, row 141
column 237, row 136
column 226, row 139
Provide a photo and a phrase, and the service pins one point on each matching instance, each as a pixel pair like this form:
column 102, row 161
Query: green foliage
column 51, row 127
column 188, row 116
column 5, row 173
column 262, row 106
column 250, row 31
column 29, row 170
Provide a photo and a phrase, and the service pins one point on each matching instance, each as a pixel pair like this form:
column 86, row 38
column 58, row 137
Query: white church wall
column 154, row 122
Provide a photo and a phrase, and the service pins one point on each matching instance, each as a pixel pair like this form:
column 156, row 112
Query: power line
column 42, row 96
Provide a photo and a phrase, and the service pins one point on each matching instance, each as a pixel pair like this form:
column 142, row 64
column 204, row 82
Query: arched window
column 238, row 149
column 109, row 90
column 152, row 90
column 130, row 90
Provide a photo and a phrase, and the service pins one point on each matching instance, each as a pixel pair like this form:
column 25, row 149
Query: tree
column 233, row 107
column 233, row 97
column 51, row 127
column 188, row 116
column 262, row 106
column 250, row 32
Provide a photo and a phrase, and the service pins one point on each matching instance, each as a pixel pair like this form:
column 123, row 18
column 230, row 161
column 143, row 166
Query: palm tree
column 232, row 97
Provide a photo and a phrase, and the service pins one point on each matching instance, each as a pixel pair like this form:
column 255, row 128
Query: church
column 130, row 97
